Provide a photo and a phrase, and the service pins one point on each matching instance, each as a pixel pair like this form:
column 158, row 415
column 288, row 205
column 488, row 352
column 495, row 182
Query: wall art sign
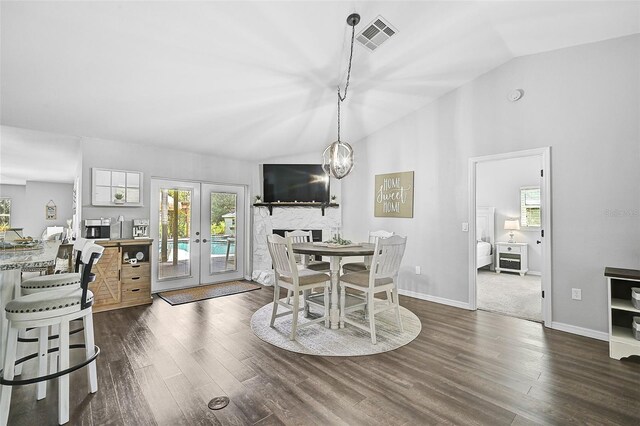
column 51, row 211
column 394, row 195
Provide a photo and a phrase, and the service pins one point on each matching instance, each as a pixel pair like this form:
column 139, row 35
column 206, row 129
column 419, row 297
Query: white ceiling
column 258, row 80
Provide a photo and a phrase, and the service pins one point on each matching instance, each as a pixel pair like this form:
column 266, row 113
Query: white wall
column 153, row 162
column 498, row 185
column 28, row 205
column 584, row 103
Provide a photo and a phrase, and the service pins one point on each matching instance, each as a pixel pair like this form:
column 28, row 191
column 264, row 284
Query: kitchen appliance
column 140, row 228
column 97, row 229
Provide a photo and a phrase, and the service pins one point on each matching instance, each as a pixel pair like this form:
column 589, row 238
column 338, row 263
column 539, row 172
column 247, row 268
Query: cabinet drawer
column 137, row 270
column 510, row 249
column 138, row 290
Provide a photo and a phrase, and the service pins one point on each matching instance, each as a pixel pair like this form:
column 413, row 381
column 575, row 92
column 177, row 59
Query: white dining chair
column 40, row 311
column 295, row 280
column 363, row 266
column 382, row 276
column 299, row 236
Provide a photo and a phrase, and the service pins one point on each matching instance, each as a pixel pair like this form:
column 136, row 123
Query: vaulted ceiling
column 253, row 80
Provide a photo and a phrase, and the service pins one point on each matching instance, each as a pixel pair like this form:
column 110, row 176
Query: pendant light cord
column 342, row 98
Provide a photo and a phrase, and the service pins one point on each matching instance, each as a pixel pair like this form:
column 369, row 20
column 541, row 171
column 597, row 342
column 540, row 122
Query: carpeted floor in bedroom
column 510, row 294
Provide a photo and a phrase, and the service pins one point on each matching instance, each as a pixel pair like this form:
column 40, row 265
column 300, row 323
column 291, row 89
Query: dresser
column 512, row 257
column 119, row 282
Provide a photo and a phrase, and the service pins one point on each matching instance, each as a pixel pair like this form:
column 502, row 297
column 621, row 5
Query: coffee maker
column 140, row 229
column 97, row 229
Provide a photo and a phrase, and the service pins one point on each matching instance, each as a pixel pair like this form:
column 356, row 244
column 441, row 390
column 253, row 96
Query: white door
column 198, row 233
column 223, row 220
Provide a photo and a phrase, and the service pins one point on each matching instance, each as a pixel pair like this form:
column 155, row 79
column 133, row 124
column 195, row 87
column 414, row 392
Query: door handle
column 197, row 240
column 538, row 242
column 204, row 240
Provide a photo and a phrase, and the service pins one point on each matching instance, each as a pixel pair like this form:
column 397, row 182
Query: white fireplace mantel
column 286, row 218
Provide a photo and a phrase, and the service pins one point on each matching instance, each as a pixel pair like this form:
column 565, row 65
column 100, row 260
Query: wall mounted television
column 295, row 182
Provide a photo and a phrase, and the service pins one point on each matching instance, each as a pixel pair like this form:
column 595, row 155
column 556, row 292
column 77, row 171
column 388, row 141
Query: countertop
column 40, row 257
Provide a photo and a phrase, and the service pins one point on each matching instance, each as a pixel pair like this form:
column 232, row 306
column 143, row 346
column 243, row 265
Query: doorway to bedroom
column 508, row 268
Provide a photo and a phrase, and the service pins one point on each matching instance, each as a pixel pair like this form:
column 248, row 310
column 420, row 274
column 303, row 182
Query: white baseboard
column 587, row 332
column 435, row 299
column 536, row 273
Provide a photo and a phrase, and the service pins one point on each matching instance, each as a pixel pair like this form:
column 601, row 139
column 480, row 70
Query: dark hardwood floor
column 161, row 365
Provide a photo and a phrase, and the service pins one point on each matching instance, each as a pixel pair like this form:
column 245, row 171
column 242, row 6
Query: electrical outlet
column 465, row 226
column 417, row 270
column 576, row 294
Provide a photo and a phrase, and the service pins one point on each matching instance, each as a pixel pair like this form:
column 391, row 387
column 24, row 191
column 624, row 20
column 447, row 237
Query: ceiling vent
column 376, row 33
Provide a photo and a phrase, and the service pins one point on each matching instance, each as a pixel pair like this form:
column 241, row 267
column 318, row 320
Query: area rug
column 349, row 341
column 510, row 294
column 194, row 294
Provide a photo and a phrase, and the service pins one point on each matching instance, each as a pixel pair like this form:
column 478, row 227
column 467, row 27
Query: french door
column 198, row 231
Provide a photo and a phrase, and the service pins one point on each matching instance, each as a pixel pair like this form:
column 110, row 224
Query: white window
column 5, row 214
column 530, row 207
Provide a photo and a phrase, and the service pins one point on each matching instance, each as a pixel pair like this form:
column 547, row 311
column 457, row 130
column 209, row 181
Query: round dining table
column 335, row 254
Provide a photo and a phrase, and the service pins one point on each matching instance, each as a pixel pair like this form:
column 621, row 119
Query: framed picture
column 394, row 195
column 51, row 212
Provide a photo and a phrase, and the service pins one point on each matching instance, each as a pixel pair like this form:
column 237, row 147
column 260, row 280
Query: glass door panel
column 223, row 232
column 222, row 251
column 175, row 212
column 175, row 233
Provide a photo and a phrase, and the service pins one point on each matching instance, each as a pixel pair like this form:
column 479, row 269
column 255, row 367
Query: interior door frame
column 545, row 200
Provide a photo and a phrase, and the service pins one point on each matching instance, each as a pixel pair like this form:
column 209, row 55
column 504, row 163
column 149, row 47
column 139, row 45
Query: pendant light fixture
column 337, row 158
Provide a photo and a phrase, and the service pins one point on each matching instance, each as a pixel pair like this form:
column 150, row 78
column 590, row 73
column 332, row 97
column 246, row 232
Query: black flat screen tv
column 303, row 183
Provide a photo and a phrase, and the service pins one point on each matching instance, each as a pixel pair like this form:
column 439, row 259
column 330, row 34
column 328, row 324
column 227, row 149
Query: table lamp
column 511, row 225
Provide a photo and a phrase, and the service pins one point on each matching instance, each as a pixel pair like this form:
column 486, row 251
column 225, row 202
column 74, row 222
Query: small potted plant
column 333, row 199
column 119, row 198
column 258, row 198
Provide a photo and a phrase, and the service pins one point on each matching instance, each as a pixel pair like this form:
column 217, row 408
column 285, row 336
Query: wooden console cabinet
column 118, row 283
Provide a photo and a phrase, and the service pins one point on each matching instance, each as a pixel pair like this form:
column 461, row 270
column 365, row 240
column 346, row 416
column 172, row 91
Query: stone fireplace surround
column 286, row 218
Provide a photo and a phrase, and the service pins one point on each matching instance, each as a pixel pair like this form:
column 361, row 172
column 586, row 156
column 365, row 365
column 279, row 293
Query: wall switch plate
column 465, row 226
column 576, row 294
column 417, row 270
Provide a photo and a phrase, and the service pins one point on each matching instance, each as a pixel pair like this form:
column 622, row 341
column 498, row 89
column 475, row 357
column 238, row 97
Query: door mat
column 194, row 294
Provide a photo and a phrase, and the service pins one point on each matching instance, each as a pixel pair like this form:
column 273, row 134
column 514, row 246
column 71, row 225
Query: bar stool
column 56, row 281
column 47, row 283
column 52, row 308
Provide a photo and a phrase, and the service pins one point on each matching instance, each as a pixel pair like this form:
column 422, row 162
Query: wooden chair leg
column 326, row 306
column 20, row 351
column 305, row 304
column 343, row 295
column 372, row 321
column 296, row 311
column 43, row 346
column 389, row 299
column 63, row 381
column 9, row 364
column 397, row 303
column 289, row 297
column 53, row 356
column 89, row 343
column 276, row 297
